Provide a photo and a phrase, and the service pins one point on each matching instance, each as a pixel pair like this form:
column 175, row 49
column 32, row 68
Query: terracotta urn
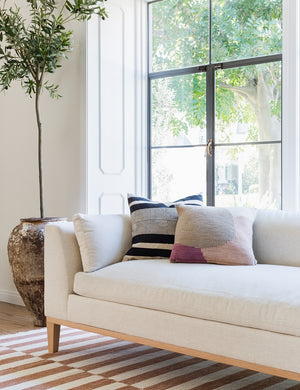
column 26, row 257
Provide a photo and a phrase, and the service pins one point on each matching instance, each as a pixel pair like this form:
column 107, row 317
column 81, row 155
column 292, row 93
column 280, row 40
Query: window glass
column 234, row 100
column 179, row 34
column 248, row 175
column 178, row 110
column 178, row 172
column 245, row 28
column 248, row 104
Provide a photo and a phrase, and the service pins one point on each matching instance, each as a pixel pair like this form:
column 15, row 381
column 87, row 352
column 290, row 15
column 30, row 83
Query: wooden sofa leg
column 53, row 332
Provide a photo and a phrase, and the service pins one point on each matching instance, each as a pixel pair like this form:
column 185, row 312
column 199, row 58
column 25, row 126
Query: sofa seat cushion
column 263, row 297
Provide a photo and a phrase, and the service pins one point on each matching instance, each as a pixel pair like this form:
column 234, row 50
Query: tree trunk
column 260, row 96
column 269, row 129
column 40, row 152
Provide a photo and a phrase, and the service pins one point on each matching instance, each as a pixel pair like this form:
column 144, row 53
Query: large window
column 215, row 100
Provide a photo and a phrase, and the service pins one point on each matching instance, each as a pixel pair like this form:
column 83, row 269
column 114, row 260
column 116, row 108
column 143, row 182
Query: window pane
column 248, row 103
column 179, row 36
column 178, row 110
column 246, row 28
column 248, row 176
column 178, row 172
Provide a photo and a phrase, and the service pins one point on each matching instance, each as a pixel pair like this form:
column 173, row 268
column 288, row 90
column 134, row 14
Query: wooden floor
column 14, row 318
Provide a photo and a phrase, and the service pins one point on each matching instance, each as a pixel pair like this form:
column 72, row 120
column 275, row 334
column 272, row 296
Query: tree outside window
column 215, row 74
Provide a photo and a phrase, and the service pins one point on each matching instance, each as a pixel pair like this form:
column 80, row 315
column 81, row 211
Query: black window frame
column 210, row 69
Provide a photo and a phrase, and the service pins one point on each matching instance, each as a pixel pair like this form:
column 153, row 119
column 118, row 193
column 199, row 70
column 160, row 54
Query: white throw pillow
column 102, row 239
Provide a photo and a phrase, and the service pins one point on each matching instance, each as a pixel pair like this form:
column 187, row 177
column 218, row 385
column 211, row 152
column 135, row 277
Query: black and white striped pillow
column 153, row 226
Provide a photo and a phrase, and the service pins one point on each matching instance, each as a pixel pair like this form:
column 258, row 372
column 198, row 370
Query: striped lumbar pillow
column 153, row 226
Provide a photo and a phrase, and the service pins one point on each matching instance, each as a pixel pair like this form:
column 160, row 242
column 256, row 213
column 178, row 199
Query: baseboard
column 11, row 297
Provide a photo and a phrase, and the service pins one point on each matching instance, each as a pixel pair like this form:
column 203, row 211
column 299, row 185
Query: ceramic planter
column 26, row 257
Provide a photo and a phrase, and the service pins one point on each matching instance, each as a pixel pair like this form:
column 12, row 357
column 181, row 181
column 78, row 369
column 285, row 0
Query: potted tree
column 31, row 48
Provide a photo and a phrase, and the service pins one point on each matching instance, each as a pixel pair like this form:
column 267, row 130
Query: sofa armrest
column 62, row 262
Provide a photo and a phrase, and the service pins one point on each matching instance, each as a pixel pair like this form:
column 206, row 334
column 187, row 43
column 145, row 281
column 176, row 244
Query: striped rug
column 88, row 361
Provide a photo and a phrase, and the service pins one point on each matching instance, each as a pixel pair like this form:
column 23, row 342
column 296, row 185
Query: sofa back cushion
column 102, row 239
column 276, row 237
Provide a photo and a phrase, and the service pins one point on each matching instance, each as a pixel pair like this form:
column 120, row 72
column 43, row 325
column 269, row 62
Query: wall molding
column 11, row 297
column 112, row 77
column 116, row 125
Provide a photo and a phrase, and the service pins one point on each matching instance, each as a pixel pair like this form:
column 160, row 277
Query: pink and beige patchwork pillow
column 214, row 235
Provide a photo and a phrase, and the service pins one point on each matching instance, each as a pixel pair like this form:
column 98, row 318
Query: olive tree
column 32, row 48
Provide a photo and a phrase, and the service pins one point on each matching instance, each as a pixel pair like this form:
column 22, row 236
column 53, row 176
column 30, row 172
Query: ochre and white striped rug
column 88, row 361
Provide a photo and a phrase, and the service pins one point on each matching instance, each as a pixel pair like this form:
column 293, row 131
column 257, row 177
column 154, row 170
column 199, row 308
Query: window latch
column 209, row 148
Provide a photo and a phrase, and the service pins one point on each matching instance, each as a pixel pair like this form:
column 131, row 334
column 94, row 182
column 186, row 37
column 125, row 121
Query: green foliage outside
column 248, row 95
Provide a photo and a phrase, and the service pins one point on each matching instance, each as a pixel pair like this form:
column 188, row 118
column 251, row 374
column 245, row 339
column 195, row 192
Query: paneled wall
column 116, row 94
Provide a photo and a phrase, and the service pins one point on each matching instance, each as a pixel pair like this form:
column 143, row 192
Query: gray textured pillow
column 214, row 235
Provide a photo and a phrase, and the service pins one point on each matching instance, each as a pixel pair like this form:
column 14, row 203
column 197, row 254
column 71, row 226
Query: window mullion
column 210, row 133
column 149, row 141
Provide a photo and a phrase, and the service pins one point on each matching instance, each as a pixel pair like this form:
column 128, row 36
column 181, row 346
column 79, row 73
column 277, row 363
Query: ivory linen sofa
column 239, row 315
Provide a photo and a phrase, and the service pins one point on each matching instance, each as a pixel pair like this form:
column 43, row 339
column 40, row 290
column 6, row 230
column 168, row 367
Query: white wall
column 63, row 155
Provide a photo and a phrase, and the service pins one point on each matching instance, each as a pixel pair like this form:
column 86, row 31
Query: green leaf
column 37, row 45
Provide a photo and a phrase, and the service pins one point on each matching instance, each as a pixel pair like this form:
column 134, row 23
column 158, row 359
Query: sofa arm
column 62, row 262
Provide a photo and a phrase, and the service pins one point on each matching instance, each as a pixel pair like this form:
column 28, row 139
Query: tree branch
column 50, row 40
column 248, row 93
